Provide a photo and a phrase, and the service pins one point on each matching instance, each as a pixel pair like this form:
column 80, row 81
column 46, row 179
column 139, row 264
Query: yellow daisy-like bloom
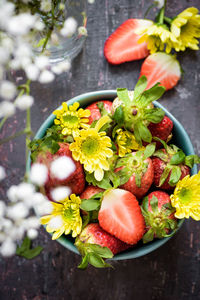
column 70, row 119
column 158, row 38
column 92, row 148
column 186, row 28
column 186, row 198
column 126, row 142
column 65, row 217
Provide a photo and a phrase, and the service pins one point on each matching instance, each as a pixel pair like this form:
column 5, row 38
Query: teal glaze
column 180, row 137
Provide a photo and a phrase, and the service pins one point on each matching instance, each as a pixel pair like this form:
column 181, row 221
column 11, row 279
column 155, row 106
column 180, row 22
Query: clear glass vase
column 61, row 47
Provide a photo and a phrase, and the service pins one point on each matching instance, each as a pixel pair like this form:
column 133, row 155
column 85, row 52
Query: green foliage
column 26, row 251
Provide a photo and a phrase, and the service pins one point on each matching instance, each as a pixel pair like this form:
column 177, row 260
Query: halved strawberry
column 122, row 45
column 99, row 109
column 163, row 68
column 121, row 216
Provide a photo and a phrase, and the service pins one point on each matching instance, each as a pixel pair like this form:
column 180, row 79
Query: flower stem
column 11, row 137
column 168, row 20
column 149, row 9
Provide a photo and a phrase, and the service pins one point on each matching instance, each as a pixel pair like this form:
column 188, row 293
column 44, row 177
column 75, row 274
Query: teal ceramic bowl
column 180, row 138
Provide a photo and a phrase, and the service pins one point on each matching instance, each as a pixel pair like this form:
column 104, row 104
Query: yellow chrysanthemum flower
column 126, row 142
column 186, row 28
column 92, row 148
column 158, row 38
column 186, row 198
column 65, row 217
column 70, row 119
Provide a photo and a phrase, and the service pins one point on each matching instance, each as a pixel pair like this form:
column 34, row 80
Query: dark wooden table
column 172, row 271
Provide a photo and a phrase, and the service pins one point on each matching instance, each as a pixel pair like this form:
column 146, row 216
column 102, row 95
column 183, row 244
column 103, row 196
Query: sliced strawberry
column 97, row 112
column 121, row 216
column 163, row 68
column 123, row 44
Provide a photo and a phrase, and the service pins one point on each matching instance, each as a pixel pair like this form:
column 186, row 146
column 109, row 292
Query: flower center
column 185, row 195
column 90, row 146
column 70, row 120
column 68, row 214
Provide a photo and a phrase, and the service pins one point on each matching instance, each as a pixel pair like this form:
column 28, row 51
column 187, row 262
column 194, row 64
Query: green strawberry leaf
column 177, row 158
column 160, row 154
column 89, row 204
column 144, row 132
column 104, row 252
column 148, row 236
column 190, row 160
column 123, row 96
column 86, row 220
column 154, row 204
column 149, row 150
column 155, row 138
column 151, row 95
column 164, row 175
column 145, row 204
column 26, row 251
column 175, row 175
column 84, row 263
column 140, row 87
column 97, row 261
column 154, row 115
column 138, row 179
column 119, row 115
column 102, row 109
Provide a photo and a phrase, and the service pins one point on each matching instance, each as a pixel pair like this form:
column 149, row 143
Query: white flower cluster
column 15, row 218
column 159, row 3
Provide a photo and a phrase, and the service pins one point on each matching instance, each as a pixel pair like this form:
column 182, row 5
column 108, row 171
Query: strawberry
column 140, row 172
column 94, row 244
column 163, row 68
column 162, row 130
column 90, row 191
column 122, row 45
column 171, row 165
column 120, row 215
column 99, row 109
column 159, row 216
column 76, row 181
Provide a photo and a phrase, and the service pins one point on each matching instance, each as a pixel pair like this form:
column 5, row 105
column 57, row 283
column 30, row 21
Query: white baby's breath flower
column 42, row 62
column 82, row 30
column 32, row 72
column 46, row 76
column 25, row 191
column 45, row 208
column 159, row 3
column 32, row 222
column 4, row 55
column 17, row 211
column 8, row 247
column 45, row 5
column 54, row 39
column 2, row 209
column 2, row 173
column 7, row 90
column 38, row 174
column 7, row 109
column 6, row 12
column 32, row 233
column 24, row 102
column 91, row 1
column 21, row 24
column 69, row 28
column 38, row 199
column 60, row 193
column 61, row 67
column 62, row 167
column 12, row 193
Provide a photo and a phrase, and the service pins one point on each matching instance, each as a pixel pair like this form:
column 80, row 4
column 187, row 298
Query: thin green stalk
column 168, row 20
column 149, row 9
column 162, row 13
column 11, row 137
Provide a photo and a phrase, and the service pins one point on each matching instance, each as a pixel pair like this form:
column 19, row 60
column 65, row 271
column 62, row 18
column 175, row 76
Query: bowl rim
column 91, row 97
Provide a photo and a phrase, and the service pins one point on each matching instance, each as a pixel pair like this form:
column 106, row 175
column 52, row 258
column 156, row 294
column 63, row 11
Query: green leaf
column 104, row 252
column 138, row 179
column 148, row 236
column 149, row 150
column 123, row 96
column 86, row 220
column 154, row 115
column 40, row 43
column 162, row 155
column 84, row 263
column 155, row 138
column 164, row 175
column 154, row 203
column 140, row 87
column 104, row 183
column 90, row 204
column 151, row 95
column 177, row 158
column 96, row 260
column 124, row 174
column 26, row 251
column 145, row 204
column 190, row 160
column 175, row 175
column 119, row 115
column 144, row 132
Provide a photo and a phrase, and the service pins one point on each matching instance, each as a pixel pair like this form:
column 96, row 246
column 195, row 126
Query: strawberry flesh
column 95, row 111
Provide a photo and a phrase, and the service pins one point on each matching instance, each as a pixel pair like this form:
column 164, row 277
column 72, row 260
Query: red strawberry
column 163, row 68
column 99, row 109
column 142, row 173
column 162, row 168
column 162, row 130
column 123, row 44
column 90, row 191
column 76, row 181
column 94, row 244
column 121, row 216
column 159, row 216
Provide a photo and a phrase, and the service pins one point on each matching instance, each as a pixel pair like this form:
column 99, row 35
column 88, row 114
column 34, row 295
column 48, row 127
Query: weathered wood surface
column 172, row 271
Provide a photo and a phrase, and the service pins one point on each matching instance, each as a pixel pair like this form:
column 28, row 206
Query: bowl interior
column 180, row 138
